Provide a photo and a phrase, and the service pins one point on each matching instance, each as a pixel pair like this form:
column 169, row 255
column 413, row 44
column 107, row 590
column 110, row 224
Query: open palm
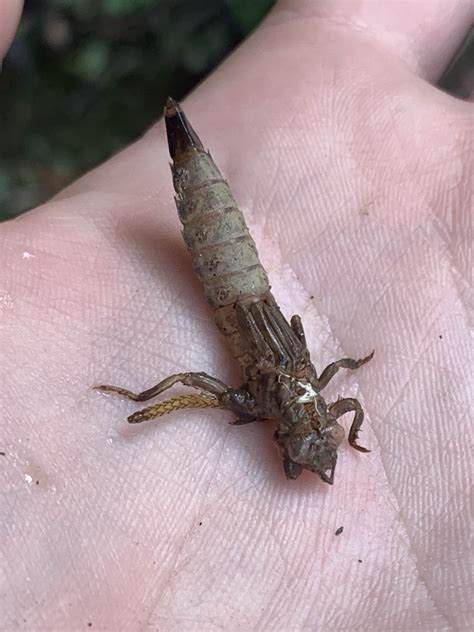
column 354, row 174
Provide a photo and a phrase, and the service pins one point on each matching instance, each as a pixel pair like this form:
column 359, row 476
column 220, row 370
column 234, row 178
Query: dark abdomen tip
column 182, row 139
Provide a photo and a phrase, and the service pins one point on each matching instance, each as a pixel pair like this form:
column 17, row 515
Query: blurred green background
column 83, row 78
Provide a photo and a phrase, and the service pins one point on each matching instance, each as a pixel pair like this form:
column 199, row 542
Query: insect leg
column 238, row 401
column 202, row 381
column 346, row 363
column 345, row 406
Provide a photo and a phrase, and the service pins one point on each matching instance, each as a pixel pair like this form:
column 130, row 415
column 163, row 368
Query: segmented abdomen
column 224, row 254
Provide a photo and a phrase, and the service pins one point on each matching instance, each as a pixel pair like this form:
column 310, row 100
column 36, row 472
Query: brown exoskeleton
column 279, row 381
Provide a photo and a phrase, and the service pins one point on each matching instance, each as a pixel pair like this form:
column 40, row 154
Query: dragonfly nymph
column 279, row 382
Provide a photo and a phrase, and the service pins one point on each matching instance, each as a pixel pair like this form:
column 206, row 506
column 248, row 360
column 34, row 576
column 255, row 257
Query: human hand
column 354, row 175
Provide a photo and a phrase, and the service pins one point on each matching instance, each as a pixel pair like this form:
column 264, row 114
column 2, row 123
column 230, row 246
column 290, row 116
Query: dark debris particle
column 3, row 454
column 440, row 337
column 37, row 482
column 311, row 297
column 89, row 625
column 339, row 531
column 360, row 561
column 200, row 524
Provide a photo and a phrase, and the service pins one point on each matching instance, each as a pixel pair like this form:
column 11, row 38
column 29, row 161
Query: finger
column 10, row 11
column 425, row 33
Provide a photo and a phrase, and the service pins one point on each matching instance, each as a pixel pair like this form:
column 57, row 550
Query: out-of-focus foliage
column 83, row 79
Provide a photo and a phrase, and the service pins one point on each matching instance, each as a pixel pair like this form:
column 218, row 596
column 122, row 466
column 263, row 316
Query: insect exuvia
column 280, row 383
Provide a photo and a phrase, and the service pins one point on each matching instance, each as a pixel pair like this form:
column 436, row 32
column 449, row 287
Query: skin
column 355, row 177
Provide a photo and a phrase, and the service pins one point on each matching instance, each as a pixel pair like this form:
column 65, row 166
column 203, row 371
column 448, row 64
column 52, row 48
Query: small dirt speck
column 37, row 482
column 200, row 524
column 339, row 531
column 311, row 297
column 440, row 337
column 89, row 625
column 3, row 454
column 360, row 561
